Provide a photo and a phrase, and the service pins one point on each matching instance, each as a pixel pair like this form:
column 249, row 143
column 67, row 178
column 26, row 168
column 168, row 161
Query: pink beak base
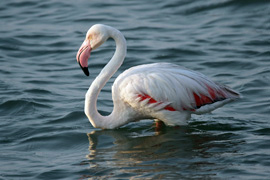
column 83, row 55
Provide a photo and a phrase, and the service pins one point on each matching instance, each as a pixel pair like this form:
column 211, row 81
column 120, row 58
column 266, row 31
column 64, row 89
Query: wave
column 21, row 106
column 188, row 8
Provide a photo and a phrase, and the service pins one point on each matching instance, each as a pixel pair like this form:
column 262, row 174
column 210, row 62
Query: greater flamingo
column 162, row 91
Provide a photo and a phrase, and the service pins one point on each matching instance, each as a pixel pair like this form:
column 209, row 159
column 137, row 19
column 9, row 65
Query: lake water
column 44, row 133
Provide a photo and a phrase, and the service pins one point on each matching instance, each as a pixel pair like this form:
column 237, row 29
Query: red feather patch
column 152, row 100
column 202, row 100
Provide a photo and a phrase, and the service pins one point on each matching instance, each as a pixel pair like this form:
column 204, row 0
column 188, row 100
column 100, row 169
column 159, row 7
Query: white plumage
column 162, row 91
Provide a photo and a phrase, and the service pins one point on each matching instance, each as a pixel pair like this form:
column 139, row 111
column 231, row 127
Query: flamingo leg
column 159, row 124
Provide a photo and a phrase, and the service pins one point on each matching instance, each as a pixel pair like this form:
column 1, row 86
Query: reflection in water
column 168, row 153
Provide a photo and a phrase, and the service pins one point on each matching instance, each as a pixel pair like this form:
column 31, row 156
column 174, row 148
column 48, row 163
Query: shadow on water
column 168, row 153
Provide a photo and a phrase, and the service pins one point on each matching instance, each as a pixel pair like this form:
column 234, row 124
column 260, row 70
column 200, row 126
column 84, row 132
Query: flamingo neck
column 96, row 119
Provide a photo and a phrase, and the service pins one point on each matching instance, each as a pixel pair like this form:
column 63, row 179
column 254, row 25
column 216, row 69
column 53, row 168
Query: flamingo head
column 95, row 36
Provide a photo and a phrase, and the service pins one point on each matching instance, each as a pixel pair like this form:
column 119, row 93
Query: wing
column 165, row 86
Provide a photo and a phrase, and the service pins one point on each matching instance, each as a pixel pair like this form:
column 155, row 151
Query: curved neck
column 96, row 119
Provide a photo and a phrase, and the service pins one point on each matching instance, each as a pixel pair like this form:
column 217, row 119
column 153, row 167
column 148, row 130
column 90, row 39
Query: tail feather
column 224, row 96
column 231, row 93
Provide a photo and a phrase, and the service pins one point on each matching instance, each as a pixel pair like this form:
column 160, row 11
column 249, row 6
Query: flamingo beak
column 83, row 55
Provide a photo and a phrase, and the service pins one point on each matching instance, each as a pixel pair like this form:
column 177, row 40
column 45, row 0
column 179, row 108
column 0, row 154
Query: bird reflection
column 147, row 151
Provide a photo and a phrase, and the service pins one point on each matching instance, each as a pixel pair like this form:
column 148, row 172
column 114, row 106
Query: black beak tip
column 85, row 70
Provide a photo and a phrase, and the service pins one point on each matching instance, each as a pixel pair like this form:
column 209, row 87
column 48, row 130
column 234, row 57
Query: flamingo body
column 162, row 91
column 169, row 92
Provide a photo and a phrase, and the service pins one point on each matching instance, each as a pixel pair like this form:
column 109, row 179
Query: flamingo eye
column 89, row 37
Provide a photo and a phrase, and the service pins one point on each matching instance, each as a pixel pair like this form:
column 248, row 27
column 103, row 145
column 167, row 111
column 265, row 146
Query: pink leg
column 159, row 125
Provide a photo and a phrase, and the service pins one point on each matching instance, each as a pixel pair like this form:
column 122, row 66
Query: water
column 45, row 134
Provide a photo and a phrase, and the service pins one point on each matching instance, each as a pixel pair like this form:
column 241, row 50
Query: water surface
column 45, row 134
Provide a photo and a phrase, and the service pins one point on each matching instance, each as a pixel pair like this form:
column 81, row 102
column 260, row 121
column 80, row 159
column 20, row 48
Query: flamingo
column 165, row 92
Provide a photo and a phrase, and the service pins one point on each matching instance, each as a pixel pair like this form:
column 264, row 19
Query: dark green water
column 44, row 133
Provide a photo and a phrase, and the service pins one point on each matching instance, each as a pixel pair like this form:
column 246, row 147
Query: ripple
column 21, row 106
column 42, row 92
column 262, row 131
column 231, row 64
column 68, row 118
